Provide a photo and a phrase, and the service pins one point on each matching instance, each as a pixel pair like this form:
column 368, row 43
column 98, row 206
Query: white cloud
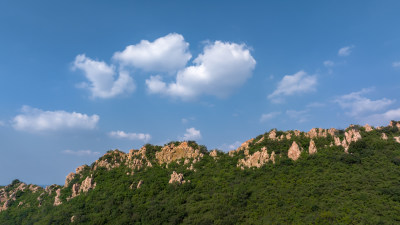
column 228, row 147
column 81, row 152
column 102, row 78
column 329, row 63
column 300, row 116
column 381, row 119
column 358, row 104
column 218, row 71
column 268, row 116
column 396, row 64
column 166, row 54
column 32, row 119
column 315, row 105
column 191, row 134
column 130, row 136
column 345, row 51
column 297, row 83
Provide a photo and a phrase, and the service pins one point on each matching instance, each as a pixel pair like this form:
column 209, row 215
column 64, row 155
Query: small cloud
column 81, row 152
column 191, row 134
column 228, row 147
column 130, row 136
column 301, row 115
column 345, row 51
column 329, row 63
column 396, row 64
column 187, row 120
column 297, row 83
column 315, row 105
column 32, row 119
column 269, row 116
column 358, row 104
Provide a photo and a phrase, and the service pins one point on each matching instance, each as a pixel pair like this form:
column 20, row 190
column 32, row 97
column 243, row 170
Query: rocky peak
column 294, row 151
column 257, row 159
column 272, row 134
column 170, row 153
column 213, row 153
column 110, row 160
column 176, row 178
column 312, row 149
column 368, row 128
column 57, row 200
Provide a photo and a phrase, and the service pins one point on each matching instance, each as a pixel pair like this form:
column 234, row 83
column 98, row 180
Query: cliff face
column 181, row 162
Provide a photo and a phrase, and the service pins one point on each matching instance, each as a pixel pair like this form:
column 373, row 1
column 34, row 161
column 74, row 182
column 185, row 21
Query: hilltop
column 320, row 176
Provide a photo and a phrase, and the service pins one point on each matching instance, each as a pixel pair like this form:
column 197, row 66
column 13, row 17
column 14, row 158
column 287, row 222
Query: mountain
column 324, row 176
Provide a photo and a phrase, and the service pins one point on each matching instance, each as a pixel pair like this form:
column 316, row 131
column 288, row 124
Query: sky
column 79, row 78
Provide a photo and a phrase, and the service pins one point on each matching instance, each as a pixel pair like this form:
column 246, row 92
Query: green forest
column 360, row 185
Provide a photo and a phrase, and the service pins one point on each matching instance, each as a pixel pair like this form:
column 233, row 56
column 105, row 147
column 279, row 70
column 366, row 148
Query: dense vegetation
column 330, row 187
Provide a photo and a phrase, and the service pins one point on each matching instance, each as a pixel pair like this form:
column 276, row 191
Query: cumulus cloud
column 380, row 119
column 166, row 54
column 269, row 116
column 81, row 152
column 345, row 51
column 396, row 64
column 191, row 134
column 297, row 83
column 32, row 119
column 130, row 136
column 357, row 104
column 103, row 80
column 221, row 68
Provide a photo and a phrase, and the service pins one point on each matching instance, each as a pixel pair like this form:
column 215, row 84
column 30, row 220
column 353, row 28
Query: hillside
column 324, row 176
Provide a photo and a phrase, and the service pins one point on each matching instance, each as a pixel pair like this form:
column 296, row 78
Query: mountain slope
column 322, row 176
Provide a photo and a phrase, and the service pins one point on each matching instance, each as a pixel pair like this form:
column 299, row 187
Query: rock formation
column 170, row 153
column 57, row 200
column 312, row 148
column 368, row 128
column 176, row 178
column 257, row 159
column 397, row 139
column 294, row 151
column 213, row 153
column 384, row 136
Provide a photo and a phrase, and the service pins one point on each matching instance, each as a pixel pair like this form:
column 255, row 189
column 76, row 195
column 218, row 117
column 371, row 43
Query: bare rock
column 73, row 218
column 57, row 200
column 69, row 178
column 294, row 151
column 139, row 184
column 384, row 136
column 332, row 132
column 257, row 159
column 245, row 146
column 80, row 169
column 397, row 139
column 176, row 178
column 312, row 149
column 87, row 185
column 297, row 133
column 34, row 188
column 272, row 134
column 110, row 160
column 288, row 136
column 368, row 128
column 213, row 153
column 75, row 190
column 261, row 140
column 170, row 153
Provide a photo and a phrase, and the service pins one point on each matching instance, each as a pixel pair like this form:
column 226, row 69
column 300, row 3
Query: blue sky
column 80, row 78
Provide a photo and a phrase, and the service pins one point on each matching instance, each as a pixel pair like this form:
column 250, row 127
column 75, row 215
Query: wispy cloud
column 269, row 116
column 32, row 119
column 81, row 152
column 358, row 104
column 345, row 51
column 396, row 64
column 297, row 83
column 329, row 63
column 300, row 116
column 382, row 118
column 130, row 136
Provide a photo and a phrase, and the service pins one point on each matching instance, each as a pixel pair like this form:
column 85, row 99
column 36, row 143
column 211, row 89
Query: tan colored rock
column 57, row 200
column 294, row 151
column 110, row 163
column 68, row 179
column 313, row 133
column 73, row 218
column 213, row 153
column 87, row 185
column 261, row 140
column 176, row 178
column 75, row 190
column 397, row 139
column 257, row 159
column 139, row 184
column 245, row 146
column 297, row 133
column 384, row 136
column 368, row 128
column 289, row 136
column 34, row 188
column 272, row 135
column 170, row 153
column 337, row 141
column 332, row 132
column 80, row 169
column 312, row 148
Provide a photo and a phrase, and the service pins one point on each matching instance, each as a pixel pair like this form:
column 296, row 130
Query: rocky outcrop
column 368, row 128
column 397, row 139
column 294, row 151
column 69, row 178
column 34, row 188
column 139, row 184
column 8, row 194
column 176, row 178
column 110, row 160
column 87, row 185
column 57, row 200
column 312, row 148
column 213, row 153
column 257, row 159
column 170, row 153
column 261, row 140
column 272, row 134
column 137, row 159
column 384, row 136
